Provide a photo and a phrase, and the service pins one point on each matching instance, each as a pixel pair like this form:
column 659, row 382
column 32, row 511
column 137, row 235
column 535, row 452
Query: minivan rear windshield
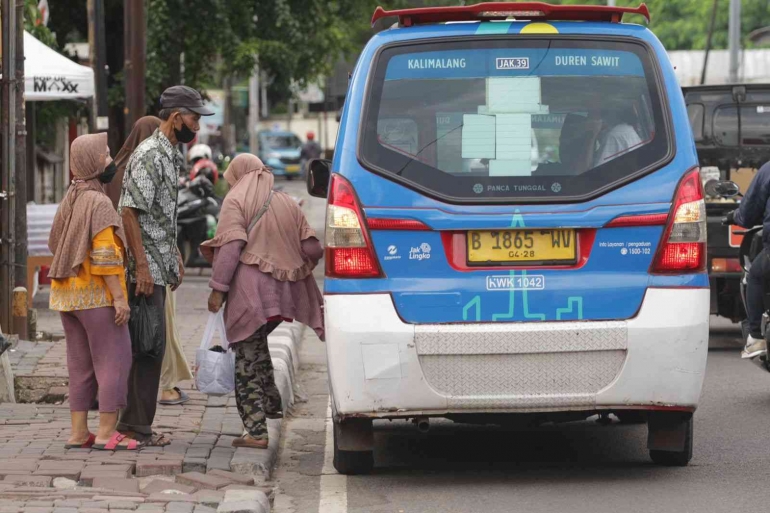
column 531, row 119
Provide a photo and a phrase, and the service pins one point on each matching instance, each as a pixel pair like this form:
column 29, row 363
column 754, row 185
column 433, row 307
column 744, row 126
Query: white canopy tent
column 48, row 75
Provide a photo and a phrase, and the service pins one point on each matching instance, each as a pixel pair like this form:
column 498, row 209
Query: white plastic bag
column 215, row 372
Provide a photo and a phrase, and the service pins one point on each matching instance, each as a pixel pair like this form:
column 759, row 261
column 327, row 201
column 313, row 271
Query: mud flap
column 668, row 430
column 354, row 435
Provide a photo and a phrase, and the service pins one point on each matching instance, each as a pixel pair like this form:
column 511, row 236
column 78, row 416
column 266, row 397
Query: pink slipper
column 85, row 445
column 114, row 444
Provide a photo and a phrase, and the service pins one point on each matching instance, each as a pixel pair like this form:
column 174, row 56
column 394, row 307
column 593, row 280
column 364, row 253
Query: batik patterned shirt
column 150, row 187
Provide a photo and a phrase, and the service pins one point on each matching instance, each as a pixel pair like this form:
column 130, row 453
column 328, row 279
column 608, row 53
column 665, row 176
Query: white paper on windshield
column 514, row 94
column 519, row 167
column 478, row 137
column 513, row 136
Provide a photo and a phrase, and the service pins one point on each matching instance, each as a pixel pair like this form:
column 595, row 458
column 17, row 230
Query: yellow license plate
column 515, row 246
column 292, row 169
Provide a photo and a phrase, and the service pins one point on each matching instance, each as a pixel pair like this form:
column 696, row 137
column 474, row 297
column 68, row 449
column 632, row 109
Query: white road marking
column 334, row 486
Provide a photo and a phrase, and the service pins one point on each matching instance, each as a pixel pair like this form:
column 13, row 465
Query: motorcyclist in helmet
column 200, row 157
column 310, row 150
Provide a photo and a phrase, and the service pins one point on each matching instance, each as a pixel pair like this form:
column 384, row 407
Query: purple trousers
column 98, row 358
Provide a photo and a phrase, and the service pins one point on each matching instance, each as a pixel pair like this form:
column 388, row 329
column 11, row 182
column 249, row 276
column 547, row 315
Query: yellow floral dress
column 88, row 290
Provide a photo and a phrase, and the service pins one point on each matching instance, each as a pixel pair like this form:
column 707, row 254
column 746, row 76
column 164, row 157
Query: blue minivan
column 515, row 230
column 281, row 151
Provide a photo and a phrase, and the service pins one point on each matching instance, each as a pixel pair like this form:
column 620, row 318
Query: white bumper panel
column 380, row 365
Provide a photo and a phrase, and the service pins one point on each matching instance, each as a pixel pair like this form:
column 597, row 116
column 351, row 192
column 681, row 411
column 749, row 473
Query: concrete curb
column 284, row 344
column 244, row 501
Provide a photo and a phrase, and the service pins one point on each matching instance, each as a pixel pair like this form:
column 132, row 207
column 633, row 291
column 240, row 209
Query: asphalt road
column 575, row 467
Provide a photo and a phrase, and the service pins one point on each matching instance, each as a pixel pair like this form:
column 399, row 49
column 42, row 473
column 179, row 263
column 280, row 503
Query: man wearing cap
column 148, row 206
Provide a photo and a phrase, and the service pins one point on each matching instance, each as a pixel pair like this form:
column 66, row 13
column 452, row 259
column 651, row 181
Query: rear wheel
column 351, row 462
column 671, row 429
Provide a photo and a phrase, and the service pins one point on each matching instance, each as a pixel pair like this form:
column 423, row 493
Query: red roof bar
column 505, row 10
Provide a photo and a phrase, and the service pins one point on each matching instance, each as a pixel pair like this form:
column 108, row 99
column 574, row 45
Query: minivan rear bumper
column 381, row 367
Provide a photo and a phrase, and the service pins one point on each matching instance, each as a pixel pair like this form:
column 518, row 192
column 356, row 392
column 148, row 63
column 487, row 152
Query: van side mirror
column 724, row 189
column 319, row 171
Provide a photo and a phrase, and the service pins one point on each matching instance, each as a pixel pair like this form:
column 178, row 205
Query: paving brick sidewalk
column 192, row 475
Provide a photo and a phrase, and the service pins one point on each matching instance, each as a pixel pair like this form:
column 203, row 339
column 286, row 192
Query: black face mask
column 185, row 135
column 109, row 173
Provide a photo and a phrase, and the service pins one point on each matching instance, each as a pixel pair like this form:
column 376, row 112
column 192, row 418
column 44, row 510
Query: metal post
column 20, row 269
column 611, row 3
column 7, row 164
column 253, row 111
column 734, row 38
column 708, row 41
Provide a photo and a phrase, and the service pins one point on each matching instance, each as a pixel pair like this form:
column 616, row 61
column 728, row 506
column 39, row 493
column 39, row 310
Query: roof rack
column 504, row 10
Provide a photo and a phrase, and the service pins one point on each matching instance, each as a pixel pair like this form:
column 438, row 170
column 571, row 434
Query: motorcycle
column 751, row 246
column 197, row 217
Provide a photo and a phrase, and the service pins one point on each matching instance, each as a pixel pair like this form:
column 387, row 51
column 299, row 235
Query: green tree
column 683, row 24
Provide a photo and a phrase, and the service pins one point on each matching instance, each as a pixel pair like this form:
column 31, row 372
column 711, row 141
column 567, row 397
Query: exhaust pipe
column 423, row 424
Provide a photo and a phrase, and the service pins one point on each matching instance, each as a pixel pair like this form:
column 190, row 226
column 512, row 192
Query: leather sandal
column 248, row 441
column 114, row 444
column 85, row 445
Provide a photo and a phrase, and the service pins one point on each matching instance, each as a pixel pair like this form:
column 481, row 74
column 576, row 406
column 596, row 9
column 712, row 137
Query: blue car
column 280, row 151
column 516, row 228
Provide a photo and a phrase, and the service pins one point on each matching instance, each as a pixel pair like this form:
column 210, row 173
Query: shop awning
column 48, row 75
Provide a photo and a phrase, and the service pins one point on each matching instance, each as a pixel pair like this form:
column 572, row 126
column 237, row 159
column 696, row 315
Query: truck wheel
column 677, row 458
column 351, row 462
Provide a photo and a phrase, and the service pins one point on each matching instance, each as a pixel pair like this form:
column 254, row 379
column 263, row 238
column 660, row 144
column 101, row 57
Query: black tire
column 676, row 458
column 352, row 462
column 632, row 416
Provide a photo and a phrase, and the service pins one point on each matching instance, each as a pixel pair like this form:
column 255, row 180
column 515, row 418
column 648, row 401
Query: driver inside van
column 617, row 134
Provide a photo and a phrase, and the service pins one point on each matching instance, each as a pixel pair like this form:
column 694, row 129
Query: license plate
column 292, row 169
column 516, row 246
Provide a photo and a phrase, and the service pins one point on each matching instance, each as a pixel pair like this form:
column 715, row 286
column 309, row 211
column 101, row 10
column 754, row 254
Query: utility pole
column 227, row 118
column 135, row 43
column 253, row 111
column 734, row 38
column 8, row 164
column 98, row 60
column 263, row 90
column 20, row 179
column 611, row 3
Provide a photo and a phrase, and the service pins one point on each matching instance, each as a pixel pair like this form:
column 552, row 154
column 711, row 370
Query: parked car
column 730, row 127
column 280, row 151
column 499, row 294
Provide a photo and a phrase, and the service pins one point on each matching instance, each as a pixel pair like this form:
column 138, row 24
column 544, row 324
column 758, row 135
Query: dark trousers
column 755, row 292
column 255, row 389
column 144, row 380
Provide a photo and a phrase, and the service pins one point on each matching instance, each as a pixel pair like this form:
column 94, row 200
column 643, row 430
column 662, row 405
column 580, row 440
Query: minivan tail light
column 683, row 246
column 349, row 250
column 397, row 224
